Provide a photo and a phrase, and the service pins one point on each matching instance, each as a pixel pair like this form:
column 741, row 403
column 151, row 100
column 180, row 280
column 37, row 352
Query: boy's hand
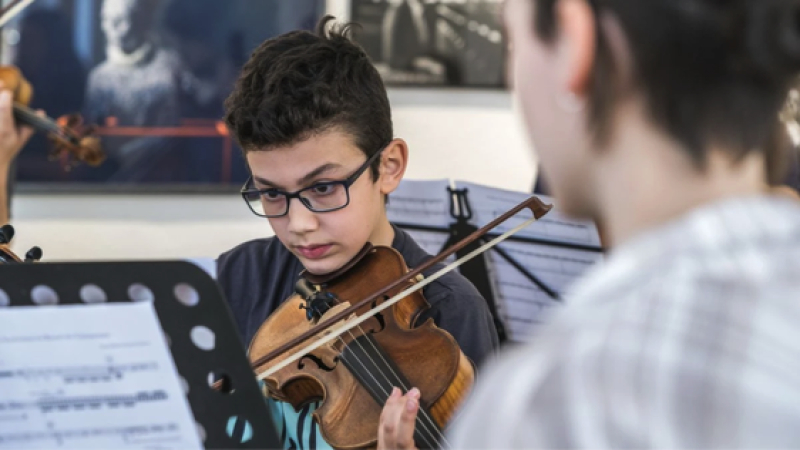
column 396, row 429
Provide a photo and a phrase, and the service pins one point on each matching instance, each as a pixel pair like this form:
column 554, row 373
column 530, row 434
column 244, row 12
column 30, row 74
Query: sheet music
column 522, row 304
column 490, row 203
column 420, row 202
column 90, row 376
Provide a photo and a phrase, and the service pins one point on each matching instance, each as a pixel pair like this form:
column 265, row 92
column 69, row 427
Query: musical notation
column 134, row 434
column 59, row 403
column 488, row 203
column 86, row 374
column 423, row 202
column 523, row 305
column 90, row 376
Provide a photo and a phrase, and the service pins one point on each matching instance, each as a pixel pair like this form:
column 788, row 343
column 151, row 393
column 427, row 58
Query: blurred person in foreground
column 654, row 117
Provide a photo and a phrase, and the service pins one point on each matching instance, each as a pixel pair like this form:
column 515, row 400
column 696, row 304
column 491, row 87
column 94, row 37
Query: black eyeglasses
column 325, row 196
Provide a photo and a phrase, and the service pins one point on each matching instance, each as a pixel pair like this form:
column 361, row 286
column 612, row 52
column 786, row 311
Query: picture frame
column 151, row 76
column 433, row 43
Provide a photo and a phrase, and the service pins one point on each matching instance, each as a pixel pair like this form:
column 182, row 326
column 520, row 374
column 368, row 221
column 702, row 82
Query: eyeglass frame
column 346, row 183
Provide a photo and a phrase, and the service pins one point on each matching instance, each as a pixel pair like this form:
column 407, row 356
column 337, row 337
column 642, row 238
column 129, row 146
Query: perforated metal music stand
column 234, row 418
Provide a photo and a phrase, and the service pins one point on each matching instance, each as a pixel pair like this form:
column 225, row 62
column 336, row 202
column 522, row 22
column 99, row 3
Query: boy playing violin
column 313, row 118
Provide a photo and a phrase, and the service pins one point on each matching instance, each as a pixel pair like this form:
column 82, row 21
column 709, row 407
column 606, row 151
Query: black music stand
column 476, row 269
column 238, row 416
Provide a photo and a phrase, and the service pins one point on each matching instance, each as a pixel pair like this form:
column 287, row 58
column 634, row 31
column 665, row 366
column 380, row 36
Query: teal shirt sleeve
column 297, row 429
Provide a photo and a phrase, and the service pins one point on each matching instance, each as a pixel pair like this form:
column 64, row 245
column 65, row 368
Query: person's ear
column 577, row 43
column 394, row 161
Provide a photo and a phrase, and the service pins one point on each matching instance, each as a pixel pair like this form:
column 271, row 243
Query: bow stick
column 536, row 206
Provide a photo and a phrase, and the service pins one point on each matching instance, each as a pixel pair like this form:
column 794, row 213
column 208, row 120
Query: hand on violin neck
column 399, row 415
column 12, row 137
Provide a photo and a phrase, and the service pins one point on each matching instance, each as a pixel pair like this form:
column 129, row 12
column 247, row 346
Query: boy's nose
column 301, row 219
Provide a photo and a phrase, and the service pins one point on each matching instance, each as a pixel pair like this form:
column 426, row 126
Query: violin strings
column 422, row 413
column 384, row 391
column 436, row 432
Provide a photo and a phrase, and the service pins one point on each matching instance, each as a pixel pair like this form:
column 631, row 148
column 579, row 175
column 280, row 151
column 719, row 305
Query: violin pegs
column 6, row 234
column 33, row 255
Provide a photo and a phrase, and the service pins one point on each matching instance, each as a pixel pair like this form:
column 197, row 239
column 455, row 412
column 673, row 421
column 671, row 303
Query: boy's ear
column 394, row 161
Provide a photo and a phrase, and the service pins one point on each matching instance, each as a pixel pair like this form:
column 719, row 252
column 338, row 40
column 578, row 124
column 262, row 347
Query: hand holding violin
column 396, row 429
column 12, row 137
column 70, row 137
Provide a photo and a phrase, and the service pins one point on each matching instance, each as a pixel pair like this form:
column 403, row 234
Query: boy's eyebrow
column 305, row 179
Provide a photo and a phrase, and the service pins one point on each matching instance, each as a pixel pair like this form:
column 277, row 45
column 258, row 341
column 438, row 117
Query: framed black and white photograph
column 152, row 76
column 454, row 43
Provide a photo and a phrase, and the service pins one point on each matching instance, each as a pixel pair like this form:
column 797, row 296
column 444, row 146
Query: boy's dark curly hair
column 301, row 83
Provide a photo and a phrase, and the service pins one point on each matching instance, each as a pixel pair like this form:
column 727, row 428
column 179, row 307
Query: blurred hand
column 12, row 137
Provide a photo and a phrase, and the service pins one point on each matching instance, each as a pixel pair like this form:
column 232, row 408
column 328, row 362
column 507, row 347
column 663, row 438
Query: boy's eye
column 272, row 195
column 322, row 189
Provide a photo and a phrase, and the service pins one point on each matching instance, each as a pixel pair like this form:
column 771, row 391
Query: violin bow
column 13, row 10
column 537, row 207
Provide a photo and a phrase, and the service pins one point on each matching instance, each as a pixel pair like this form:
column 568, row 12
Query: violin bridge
column 332, row 312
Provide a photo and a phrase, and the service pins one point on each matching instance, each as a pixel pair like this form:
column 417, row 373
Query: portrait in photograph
column 433, row 42
column 152, row 76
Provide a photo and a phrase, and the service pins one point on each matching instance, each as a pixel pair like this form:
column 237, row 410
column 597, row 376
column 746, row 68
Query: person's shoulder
column 450, row 285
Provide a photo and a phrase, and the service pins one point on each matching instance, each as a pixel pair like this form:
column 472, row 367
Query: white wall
column 468, row 135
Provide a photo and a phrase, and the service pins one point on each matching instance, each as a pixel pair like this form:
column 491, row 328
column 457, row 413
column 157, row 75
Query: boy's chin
column 322, row 266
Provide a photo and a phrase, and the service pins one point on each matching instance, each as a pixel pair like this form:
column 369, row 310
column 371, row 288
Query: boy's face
column 325, row 241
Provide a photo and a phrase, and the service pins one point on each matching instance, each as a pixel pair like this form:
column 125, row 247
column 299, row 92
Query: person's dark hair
column 713, row 72
column 301, row 83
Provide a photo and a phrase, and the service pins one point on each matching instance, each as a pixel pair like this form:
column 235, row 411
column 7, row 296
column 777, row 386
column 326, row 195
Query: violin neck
column 27, row 116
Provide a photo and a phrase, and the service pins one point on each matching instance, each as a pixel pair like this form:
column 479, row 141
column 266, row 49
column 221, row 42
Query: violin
column 367, row 339
column 71, row 138
column 9, row 257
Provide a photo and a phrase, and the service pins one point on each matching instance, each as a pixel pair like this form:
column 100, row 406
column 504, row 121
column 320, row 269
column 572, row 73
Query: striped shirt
column 687, row 336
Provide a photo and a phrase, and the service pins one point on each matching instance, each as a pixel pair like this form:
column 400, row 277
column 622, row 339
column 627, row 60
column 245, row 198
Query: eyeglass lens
column 319, row 198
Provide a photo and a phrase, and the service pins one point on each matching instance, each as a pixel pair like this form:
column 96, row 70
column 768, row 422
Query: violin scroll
column 79, row 142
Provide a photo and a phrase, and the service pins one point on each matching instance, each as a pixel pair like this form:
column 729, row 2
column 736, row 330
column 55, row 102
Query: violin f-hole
column 319, row 362
column 379, row 316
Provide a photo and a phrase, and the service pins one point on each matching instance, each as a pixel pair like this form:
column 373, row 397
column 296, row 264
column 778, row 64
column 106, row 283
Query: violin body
column 13, row 81
column 354, row 375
